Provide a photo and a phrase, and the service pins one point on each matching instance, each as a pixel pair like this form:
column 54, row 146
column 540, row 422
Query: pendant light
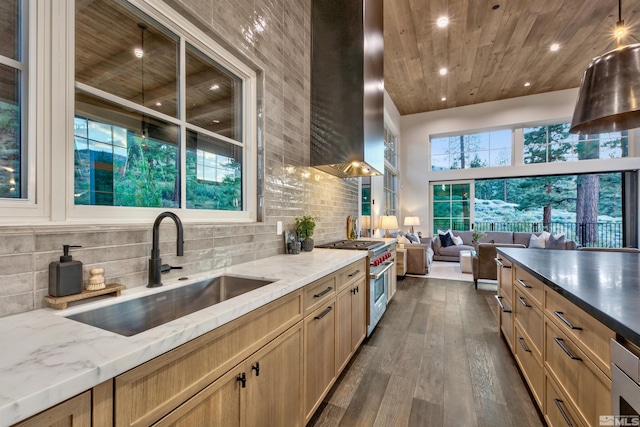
column 609, row 96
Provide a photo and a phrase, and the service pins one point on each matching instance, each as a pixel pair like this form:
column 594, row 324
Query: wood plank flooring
column 435, row 359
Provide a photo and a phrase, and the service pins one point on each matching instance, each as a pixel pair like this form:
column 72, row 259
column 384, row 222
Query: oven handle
column 379, row 274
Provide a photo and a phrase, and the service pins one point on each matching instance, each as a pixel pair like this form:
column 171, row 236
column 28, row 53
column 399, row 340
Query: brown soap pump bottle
column 65, row 276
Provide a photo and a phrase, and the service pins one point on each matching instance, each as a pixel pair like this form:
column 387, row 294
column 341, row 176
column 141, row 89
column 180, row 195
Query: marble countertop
column 46, row 358
column 604, row 284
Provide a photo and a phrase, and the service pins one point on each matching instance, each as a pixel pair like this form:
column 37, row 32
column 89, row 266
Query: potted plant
column 476, row 236
column 304, row 228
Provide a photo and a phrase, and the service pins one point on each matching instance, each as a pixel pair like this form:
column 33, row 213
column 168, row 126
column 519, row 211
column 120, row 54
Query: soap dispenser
column 65, row 276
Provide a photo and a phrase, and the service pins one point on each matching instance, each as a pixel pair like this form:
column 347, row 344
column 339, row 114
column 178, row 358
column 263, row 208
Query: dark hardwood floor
column 435, row 359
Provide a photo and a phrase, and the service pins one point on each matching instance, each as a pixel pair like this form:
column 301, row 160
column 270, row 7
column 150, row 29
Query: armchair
column 419, row 256
column 483, row 265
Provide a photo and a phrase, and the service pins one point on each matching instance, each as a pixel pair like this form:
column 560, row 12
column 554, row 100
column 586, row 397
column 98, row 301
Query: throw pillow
column 416, row 237
column 411, row 238
column 556, row 241
column 403, row 240
column 445, row 240
column 440, row 232
column 537, row 242
column 457, row 240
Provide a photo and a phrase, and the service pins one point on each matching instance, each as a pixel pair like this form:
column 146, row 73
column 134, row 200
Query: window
column 390, row 191
column 478, row 150
column 554, row 143
column 161, row 119
column 451, row 206
column 390, row 148
column 13, row 153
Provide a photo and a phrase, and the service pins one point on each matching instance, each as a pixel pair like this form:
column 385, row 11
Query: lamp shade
column 609, row 96
column 366, row 221
column 412, row 220
column 389, row 222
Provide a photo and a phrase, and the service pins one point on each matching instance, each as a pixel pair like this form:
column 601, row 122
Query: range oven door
column 625, row 385
column 378, row 291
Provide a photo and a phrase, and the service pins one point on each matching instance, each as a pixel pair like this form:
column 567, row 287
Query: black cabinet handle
column 323, row 293
column 523, row 345
column 243, row 379
column 499, row 298
column 354, row 291
column 560, row 315
column 324, row 313
column 559, row 403
column 523, row 302
column 355, row 273
column 564, row 348
column 256, row 368
column 524, row 285
column 500, row 264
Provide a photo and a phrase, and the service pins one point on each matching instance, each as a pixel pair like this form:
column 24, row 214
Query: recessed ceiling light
column 158, row 104
column 214, row 87
column 527, row 84
column 443, row 71
column 443, row 21
column 139, row 53
column 444, row 98
column 216, row 121
column 554, row 47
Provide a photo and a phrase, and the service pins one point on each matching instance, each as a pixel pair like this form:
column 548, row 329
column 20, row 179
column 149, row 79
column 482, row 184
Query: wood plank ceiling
column 492, row 48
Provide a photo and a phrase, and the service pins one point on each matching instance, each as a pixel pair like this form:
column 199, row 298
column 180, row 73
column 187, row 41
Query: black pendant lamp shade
column 609, row 97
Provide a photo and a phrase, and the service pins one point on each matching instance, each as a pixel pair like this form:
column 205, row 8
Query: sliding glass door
column 452, row 205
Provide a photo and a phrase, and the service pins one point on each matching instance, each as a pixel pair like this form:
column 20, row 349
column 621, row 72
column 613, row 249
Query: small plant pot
column 307, row 245
column 294, row 247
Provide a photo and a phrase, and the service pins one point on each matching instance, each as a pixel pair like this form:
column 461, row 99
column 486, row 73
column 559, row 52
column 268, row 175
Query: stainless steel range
column 381, row 260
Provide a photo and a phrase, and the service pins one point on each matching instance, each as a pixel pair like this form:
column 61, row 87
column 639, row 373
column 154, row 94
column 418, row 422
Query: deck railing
column 600, row 234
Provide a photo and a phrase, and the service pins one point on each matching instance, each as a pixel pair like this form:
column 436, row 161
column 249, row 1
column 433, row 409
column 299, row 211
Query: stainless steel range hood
column 347, row 88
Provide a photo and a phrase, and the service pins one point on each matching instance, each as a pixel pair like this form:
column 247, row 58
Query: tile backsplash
column 280, row 54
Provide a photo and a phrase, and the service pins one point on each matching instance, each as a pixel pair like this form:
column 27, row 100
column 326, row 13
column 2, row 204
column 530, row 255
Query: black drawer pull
column 523, row 302
column 500, row 263
column 324, row 313
column 355, row 273
column 524, row 285
column 243, row 379
column 564, row 348
column 560, row 315
column 323, row 293
column 558, row 403
column 523, row 345
column 256, row 368
column 504, row 310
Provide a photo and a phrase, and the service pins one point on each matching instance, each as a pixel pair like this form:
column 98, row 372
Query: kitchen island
column 46, row 358
column 559, row 312
column 606, row 285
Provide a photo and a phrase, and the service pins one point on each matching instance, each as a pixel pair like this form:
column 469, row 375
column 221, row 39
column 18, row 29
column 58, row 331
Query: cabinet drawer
column 347, row 275
column 505, row 277
column 529, row 284
column 318, row 292
column 146, row 393
column 589, row 334
column 530, row 365
column 505, row 314
column 587, row 387
column 558, row 409
column 529, row 317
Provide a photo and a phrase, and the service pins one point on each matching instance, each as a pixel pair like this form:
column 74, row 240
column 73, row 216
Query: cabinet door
column 216, row 405
column 319, row 356
column 344, row 308
column 358, row 314
column 274, row 382
column 75, row 412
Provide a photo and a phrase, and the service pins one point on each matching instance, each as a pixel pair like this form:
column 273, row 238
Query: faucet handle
column 165, row 268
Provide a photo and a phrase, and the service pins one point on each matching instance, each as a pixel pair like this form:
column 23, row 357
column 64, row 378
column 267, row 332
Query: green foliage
column 305, row 226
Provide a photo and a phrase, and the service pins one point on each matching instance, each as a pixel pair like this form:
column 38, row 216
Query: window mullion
column 182, row 115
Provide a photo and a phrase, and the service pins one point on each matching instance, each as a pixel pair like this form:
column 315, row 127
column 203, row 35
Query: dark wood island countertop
column 604, row 284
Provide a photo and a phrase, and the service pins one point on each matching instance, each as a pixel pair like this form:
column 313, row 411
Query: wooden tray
column 60, row 303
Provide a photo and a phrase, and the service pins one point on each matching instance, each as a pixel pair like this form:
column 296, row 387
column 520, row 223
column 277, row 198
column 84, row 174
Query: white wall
column 416, row 130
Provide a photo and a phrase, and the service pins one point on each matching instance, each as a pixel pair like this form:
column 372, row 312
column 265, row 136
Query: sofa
column 452, row 253
column 419, row 256
column 483, row 263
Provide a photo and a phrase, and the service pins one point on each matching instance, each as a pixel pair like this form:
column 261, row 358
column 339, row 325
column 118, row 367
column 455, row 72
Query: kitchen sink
column 140, row 314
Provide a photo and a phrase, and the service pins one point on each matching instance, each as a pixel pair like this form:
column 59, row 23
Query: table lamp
column 388, row 222
column 411, row 221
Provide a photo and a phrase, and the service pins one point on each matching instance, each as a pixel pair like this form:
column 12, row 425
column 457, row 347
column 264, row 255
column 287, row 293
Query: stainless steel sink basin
column 140, row 314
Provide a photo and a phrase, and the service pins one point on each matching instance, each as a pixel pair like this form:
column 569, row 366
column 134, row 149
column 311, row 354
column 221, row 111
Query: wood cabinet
column 401, row 262
column 351, row 323
column 75, row 412
column 563, row 352
column 263, row 390
column 504, row 297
